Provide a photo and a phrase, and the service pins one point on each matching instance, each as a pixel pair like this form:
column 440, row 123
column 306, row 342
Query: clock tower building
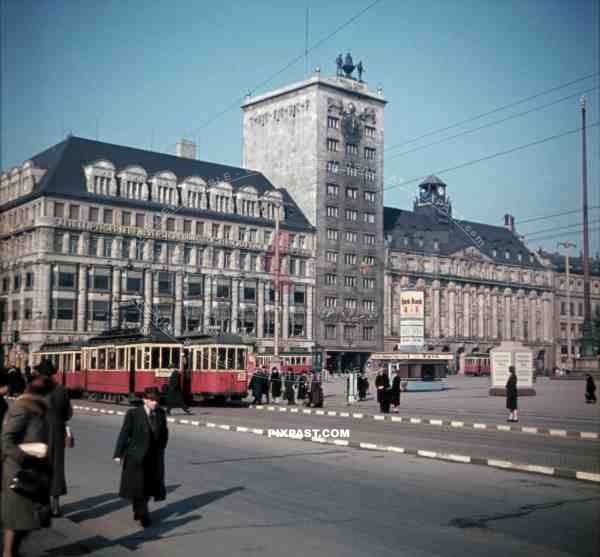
column 322, row 140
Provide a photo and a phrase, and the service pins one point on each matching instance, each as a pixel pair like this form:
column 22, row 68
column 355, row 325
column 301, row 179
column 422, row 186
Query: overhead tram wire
column 489, row 112
column 490, row 124
column 546, row 217
column 559, row 235
column 567, row 227
column 292, row 62
column 495, row 155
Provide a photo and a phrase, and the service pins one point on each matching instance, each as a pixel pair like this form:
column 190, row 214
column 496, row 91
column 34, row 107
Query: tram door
column 132, row 353
column 186, row 365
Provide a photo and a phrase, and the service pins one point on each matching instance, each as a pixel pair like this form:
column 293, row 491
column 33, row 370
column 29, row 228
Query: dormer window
column 133, row 183
column 100, row 178
column 247, row 202
column 164, row 188
column 193, row 193
column 436, row 244
column 221, row 198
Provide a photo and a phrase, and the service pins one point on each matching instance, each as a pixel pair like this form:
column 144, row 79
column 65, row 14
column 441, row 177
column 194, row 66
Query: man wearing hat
column 141, row 449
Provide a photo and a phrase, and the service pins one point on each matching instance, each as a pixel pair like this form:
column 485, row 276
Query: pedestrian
column 141, row 450
column 382, row 383
column 175, row 398
column 25, row 466
column 275, row 385
column 266, row 384
column 511, row 395
column 28, row 376
column 58, row 414
column 316, row 391
column 17, row 383
column 362, row 384
column 302, row 390
column 396, row 390
column 590, row 389
column 256, row 386
column 289, row 388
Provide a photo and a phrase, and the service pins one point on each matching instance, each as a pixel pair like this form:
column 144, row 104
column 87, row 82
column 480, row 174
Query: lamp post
column 568, row 245
column 276, row 361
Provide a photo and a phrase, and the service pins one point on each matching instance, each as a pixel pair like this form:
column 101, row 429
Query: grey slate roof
column 453, row 236
column 432, row 179
column 65, row 161
column 558, row 262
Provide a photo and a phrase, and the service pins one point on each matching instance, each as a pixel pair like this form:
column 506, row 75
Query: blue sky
column 151, row 72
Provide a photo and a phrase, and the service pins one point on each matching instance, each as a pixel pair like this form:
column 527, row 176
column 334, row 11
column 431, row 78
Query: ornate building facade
column 94, row 235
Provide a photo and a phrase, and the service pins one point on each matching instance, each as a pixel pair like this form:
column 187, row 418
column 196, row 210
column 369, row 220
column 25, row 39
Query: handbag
column 69, row 438
column 31, row 483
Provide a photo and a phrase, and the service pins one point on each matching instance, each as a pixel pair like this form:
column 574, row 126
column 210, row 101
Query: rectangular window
column 332, row 145
column 74, row 212
column 297, row 325
column 349, row 332
column 99, row 310
column 333, row 212
column 369, row 260
column 73, row 243
column 125, row 245
column 332, row 234
column 170, row 225
column 187, row 254
column 252, row 235
column 134, row 283
column 242, row 233
column 93, row 246
column 370, row 196
column 17, row 281
column 350, row 259
column 369, row 218
column 29, row 280
column 369, row 239
column 126, row 218
column 370, row 131
column 333, row 167
column 28, row 309
column 215, row 230
column 107, row 252
column 333, row 123
column 351, row 193
column 330, row 301
column 351, row 214
column 333, row 191
column 331, row 256
column 370, row 154
column 248, row 291
column 94, row 214
column 63, row 309
column 139, row 220
column 350, row 281
column 368, row 306
column 108, row 216
column 66, row 279
column 223, row 288
column 58, row 241
column 59, row 210
column 170, row 253
column 330, row 332
column 368, row 283
column 100, row 280
column 351, row 236
column 165, row 283
column 268, row 237
column 157, row 251
column 139, row 249
column 351, row 150
column 199, row 228
column 16, row 310
column 195, row 286
column 187, row 226
column 226, row 259
column 350, row 303
column 227, row 231
column 330, row 279
column 368, row 333
column 299, row 294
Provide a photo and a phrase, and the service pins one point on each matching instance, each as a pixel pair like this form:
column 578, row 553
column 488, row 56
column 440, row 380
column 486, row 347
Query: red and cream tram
column 117, row 364
column 298, row 362
column 477, row 364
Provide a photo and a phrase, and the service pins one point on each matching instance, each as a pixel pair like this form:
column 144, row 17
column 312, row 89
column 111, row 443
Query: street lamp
column 568, row 245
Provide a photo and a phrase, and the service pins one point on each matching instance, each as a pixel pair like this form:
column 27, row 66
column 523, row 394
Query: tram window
column 230, row 358
column 102, row 358
column 94, row 360
column 241, row 358
column 146, row 357
column 165, row 357
column 155, row 362
column 205, row 358
column 112, row 358
column 77, row 362
column 221, row 358
column 175, row 357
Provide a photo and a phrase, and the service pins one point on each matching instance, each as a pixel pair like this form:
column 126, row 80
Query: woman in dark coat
column 316, row 392
column 141, row 449
column 256, row 386
column 362, row 384
column 59, row 413
column 289, row 388
column 396, row 390
column 175, row 397
column 302, row 387
column 590, row 389
column 25, row 422
column 275, row 385
column 511, row 395
column 382, row 383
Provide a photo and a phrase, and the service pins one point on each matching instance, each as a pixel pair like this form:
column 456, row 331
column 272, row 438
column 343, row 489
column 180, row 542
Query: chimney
column 186, row 149
column 509, row 223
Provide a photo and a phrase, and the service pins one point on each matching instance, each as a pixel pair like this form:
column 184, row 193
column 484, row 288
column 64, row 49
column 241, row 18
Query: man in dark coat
column 289, row 387
column 362, row 384
column 382, row 383
column 175, row 398
column 511, row 395
column 396, row 390
column 302, row 387
column 275, row 385
column 141, row 448
column 266, row 384
column 590, row 389
column 316, row 391
column 256, row 386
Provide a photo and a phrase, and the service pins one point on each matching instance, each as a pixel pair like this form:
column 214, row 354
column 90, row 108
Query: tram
column 477, row 364
column 118, row 365
column 298, row 362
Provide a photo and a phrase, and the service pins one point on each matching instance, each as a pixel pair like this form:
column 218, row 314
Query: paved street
column 233, row 494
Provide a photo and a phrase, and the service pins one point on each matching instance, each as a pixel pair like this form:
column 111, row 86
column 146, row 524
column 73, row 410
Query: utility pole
column 568, row 245
column 275, row 362
column 587, row 345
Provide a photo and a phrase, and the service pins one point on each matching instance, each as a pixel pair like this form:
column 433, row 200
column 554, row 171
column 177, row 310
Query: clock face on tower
column 351, row 125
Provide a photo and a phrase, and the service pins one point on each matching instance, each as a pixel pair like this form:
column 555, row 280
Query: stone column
column 494, row 328
column 41, row 302
column 480, row 314
column 178, row 303
column 533, row 335
column 309, row 312
column 148, row 249
column 82, row 298
column 521, row 315
column 547, row 316
column 116, row 298
column 435, row 299
column 451, row 310
column 285, row 303
column 207, row 300
column 84, row 240
column 507, row 313
column 467, row 312
column 147, row 300
column 235, row 304
column 260, row 318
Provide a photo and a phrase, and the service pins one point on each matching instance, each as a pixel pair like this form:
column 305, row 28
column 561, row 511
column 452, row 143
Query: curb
column 566, row 473
column 578, row 435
